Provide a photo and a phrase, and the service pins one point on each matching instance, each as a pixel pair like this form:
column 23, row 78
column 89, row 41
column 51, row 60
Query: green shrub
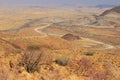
column 33, row 47
column 89, row 53
column 63, row 61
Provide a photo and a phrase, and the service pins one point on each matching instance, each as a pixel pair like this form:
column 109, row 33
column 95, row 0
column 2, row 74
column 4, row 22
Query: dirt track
column 103, row 45
column 39, row 30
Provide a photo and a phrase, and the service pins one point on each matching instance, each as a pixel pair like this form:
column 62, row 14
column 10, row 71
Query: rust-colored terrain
column 60, row 44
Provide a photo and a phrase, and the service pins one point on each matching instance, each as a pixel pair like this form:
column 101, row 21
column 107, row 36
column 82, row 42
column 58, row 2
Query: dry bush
column 32, row 60
column 80, row 66
column 96, row 74
column 85, row 67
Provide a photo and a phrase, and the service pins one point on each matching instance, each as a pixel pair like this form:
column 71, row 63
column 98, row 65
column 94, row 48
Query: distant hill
column 115, row 9
column 108, row 19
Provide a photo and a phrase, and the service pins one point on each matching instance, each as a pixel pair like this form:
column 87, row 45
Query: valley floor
column 33, row 48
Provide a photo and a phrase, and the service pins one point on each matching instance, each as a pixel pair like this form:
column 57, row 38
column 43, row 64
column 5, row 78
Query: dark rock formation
column 71, row 37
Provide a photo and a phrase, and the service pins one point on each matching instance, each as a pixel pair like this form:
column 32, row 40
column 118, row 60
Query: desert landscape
column 59, row 43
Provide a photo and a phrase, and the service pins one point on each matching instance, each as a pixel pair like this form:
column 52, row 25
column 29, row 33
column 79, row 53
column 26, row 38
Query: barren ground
column 94, row 57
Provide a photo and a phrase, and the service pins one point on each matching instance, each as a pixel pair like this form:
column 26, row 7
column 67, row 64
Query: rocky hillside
column 108, row 19
column 115, row 10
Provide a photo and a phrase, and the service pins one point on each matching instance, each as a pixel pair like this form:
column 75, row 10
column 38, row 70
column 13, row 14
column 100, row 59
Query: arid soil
column 59, row 44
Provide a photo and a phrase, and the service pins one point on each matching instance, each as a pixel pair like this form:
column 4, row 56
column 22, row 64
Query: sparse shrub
column 85, row 67
column 30, row 61
column 63, row 61
column 96, row 74
column 17, row 51
column 80, row 66
column 33, row 47
column 89, row 53
column 33, row 60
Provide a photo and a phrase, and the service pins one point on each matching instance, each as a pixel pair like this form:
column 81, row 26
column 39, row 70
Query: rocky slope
column 115, row 9
column 109, row 18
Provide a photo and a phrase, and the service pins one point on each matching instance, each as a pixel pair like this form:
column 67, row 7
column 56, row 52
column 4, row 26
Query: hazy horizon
column 59, row 2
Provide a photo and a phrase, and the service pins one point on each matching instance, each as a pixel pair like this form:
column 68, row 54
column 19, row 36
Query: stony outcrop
column 71, row 37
